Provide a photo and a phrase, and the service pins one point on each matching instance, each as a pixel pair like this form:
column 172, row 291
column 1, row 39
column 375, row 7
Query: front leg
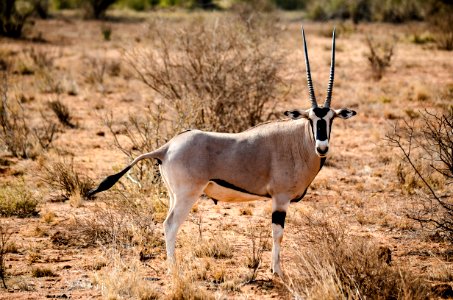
column 279, row 207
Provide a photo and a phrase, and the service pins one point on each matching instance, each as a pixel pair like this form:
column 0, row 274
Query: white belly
column 220, row 193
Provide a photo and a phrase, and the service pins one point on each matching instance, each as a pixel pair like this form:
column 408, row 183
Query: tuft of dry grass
column 122, row 221
column 123, row 279
column 216, row 247
column 43, row 272
column 62, row 112
column 335, row 265
column 185, row 287
column 62, row 176
column 17, row 200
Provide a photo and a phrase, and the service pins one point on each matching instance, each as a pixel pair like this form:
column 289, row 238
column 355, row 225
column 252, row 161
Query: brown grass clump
column 43, row 272
column 123, row 279
column 217, row 247
column 62, row 176
column 17, row 200
column 185, row 287
column 62, row 112
column 122, row 221
column 335, row 265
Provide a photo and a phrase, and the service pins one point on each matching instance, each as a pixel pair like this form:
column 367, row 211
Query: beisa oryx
column 276, row 161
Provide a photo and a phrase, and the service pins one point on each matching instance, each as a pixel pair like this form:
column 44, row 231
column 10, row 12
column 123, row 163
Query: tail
column 112, row 179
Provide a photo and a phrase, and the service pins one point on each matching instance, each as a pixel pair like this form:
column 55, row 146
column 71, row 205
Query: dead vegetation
column 61, row 176
column 335, row 265
column 427, row 146
column 17, row 200
column 380, row 55
column 217, row 76
column 211, row 71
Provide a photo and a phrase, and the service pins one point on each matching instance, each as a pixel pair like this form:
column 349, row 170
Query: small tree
column 427, row 149
column 96, row 8
column 11, row 21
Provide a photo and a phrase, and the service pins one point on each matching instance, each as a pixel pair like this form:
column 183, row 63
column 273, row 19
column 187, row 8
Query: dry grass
column 63, row 177
column 335, row 265
column 43, row 272
column 120, row 222
column 380, row 55
column 17, row 200
column 217, row 247
column 122, row 279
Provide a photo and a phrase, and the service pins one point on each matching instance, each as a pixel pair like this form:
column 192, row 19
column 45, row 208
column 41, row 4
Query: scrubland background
column 87, row 85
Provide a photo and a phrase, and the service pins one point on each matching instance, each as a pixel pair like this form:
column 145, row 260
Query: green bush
column 138, row 5
column 96, row 8
column 290, row 4
column 12, row 19
column 17, row 200
column 395, row 11
column 66, row 4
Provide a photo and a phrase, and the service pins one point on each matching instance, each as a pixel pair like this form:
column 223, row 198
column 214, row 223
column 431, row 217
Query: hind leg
column 183, row 202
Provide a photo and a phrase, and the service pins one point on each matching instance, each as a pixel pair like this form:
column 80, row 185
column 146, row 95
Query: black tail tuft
column 108, row 182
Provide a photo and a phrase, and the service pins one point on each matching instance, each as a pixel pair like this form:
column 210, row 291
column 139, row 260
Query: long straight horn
column 332, row 73
column 309, row 81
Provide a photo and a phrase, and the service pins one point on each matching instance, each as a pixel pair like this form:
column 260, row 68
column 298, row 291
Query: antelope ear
column 296, row 114
column 345, row 113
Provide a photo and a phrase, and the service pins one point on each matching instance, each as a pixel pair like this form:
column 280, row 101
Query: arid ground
column 113, row 247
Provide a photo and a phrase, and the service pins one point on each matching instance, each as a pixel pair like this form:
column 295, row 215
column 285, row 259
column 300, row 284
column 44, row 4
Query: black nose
column 322, row 151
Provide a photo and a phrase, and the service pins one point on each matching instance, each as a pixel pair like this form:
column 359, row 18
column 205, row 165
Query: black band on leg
column 278, row 217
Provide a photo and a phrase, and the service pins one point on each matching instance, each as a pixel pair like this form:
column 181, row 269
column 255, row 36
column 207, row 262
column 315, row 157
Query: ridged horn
column 311, row 91
column 332, row 73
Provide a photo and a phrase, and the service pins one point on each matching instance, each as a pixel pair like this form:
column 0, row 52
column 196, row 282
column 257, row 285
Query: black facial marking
column 233, row 187
column 278, row 217
column 108, row 182
column 159, row 162
column 321, row 112
column 321, row 130
column 297, row 199
column 346, row 112
column 294, row 114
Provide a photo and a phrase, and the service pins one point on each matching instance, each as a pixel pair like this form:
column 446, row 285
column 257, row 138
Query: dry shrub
column 144, row 133
column 123, row 279
column 22, row 138
column 427, row 165
column 258, row 235
column 440, row 17
column 216, row 75
column 335, row 265
column 63, row 177
column 17, row 200
column 380, row 55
